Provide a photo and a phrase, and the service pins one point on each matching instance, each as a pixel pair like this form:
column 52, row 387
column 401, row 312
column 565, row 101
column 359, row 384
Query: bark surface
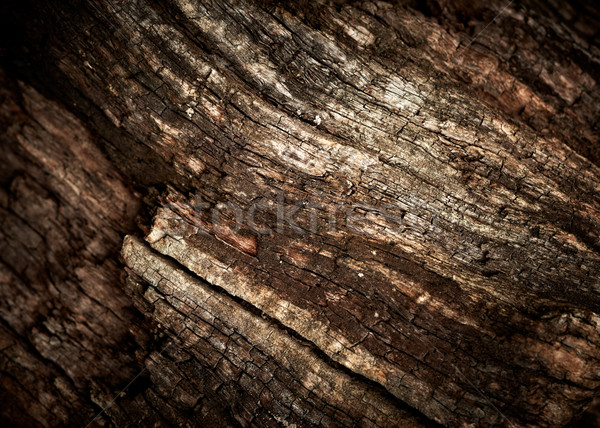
column 420, row 202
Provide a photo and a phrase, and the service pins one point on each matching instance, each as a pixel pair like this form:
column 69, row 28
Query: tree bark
column 256, row 213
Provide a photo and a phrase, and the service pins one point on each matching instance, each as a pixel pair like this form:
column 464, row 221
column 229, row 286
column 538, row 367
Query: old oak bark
column 420, row 213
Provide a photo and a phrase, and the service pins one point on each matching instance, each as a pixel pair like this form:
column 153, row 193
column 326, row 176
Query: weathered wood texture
column 459, row 285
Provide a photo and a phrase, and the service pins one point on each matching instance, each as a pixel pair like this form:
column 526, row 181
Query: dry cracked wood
column 438, row 258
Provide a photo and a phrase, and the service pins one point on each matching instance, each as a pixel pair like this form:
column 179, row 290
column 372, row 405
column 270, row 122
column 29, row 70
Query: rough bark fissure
column 460, row 285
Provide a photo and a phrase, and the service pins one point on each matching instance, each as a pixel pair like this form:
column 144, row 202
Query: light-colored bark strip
column 199, row 301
